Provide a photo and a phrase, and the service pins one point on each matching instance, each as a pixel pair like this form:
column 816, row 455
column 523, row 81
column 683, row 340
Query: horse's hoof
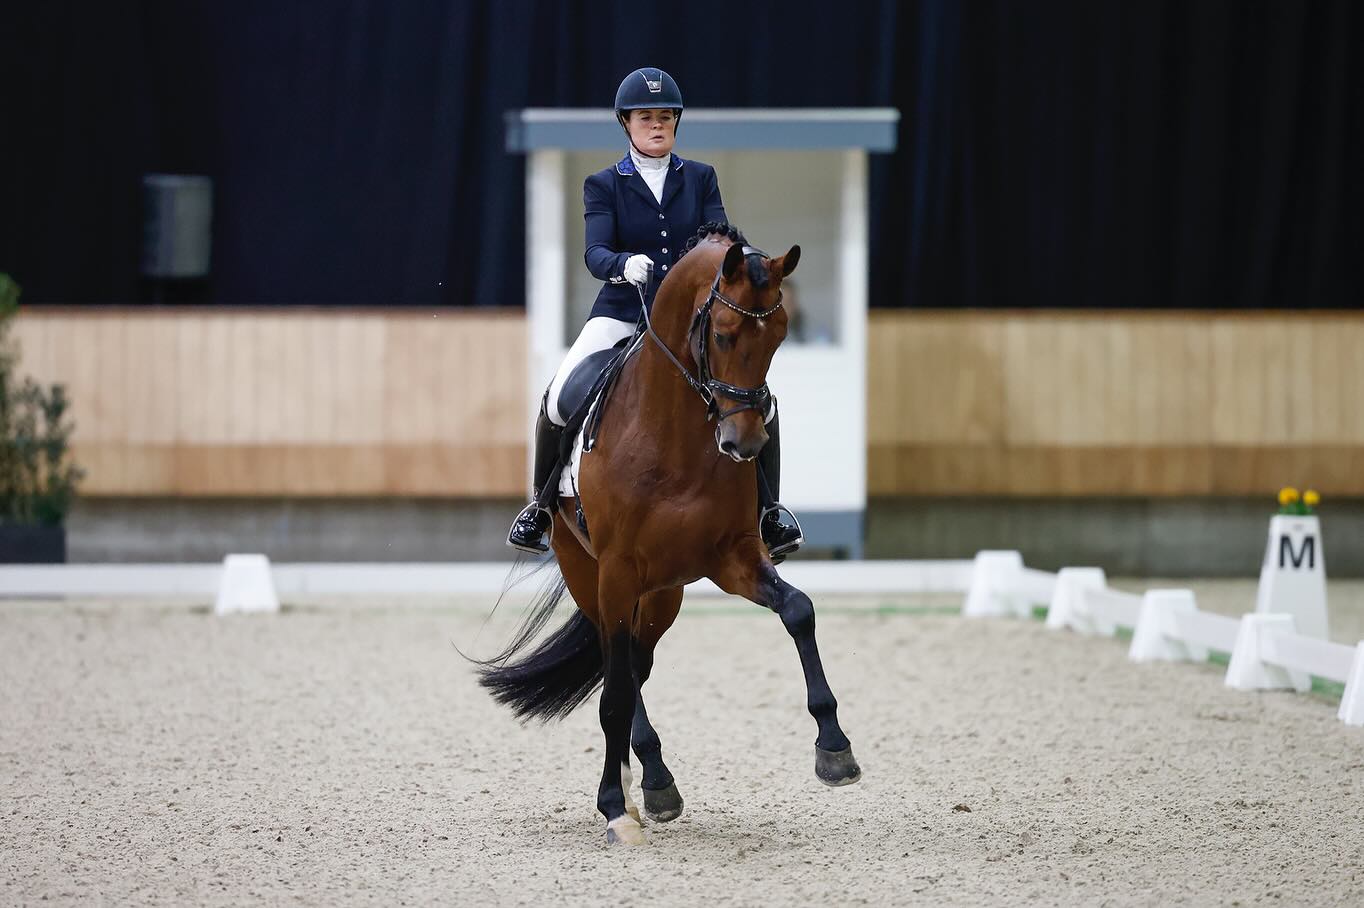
column 836, row 767
column 662, row 805
column 624, row 830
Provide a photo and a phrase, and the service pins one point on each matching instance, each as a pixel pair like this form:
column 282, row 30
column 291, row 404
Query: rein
column 706, row 385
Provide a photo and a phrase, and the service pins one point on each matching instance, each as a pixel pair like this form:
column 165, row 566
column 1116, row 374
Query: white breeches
column 599, row 333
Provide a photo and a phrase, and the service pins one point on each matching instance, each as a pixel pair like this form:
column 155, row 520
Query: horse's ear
column 789, row 261
column 733, row 259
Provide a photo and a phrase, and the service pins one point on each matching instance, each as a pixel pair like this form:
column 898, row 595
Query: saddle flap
column 582, row 395
column 580, row 381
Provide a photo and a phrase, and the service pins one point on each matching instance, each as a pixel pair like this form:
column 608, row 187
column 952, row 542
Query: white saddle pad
column 568, row 479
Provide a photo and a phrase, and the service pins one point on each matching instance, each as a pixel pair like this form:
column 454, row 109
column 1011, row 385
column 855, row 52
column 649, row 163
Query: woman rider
column 638, row 214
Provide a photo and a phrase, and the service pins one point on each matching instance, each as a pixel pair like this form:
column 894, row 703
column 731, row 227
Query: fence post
column 1352, row 704
column 1153, row 639
column 992, row 576
column 1247, row 671
column 246, row 586
column 1067, row 607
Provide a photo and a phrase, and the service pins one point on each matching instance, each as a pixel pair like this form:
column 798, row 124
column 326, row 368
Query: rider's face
column 653, row 131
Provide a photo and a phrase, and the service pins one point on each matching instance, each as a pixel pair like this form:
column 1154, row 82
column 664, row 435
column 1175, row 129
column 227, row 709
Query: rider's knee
column 552, row 403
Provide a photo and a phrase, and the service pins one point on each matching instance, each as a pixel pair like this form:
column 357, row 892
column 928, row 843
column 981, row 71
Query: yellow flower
column 1311, row 498
column 1288, row 495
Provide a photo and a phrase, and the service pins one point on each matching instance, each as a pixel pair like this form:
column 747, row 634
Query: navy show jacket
column 623, row 219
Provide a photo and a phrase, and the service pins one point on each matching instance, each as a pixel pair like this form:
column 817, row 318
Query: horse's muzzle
column 737, row 445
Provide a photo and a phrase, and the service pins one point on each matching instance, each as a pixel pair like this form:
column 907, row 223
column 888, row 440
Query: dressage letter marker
column 1293, row 576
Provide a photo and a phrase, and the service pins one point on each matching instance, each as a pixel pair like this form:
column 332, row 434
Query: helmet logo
column 654, row 86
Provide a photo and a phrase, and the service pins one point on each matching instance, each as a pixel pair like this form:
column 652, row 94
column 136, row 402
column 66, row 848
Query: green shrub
column 37, row 478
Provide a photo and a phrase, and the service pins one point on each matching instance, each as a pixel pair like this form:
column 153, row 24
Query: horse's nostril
column 729, row 447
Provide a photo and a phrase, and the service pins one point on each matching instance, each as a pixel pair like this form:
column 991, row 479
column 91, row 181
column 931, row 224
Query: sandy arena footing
column 152, row 754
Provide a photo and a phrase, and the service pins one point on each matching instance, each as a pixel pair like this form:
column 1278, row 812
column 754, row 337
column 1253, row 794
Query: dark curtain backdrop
column 1141, row 153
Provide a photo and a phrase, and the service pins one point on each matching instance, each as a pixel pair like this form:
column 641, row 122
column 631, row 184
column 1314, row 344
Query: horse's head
column 734, row 333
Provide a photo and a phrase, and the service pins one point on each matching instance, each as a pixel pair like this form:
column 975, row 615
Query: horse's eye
column 723, row 341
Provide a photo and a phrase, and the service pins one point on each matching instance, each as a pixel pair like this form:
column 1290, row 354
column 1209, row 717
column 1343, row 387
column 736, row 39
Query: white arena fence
column 242, row 580
column 1267, row 650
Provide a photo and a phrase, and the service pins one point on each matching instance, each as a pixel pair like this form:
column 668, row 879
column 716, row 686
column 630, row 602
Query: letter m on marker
column 1307, row 553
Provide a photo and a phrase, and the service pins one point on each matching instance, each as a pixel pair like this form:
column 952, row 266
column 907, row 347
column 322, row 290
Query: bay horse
column 669, row 495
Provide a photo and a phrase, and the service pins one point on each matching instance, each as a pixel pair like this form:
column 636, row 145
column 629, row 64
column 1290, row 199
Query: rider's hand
column 637, row 269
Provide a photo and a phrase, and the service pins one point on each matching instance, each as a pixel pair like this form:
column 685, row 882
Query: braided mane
column 720, row 230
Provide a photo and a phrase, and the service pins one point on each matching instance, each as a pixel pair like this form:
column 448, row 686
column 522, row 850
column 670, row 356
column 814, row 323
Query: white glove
column 637, row 269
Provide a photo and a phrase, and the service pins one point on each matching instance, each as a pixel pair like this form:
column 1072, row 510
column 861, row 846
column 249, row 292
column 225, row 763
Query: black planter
column 25, row 544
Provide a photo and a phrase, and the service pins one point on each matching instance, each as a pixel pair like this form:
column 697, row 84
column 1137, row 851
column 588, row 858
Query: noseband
column 704, row 383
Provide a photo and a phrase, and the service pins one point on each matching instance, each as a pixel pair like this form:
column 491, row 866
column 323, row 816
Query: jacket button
column 665, row 267
column 663, row 233
column 665, row 249
column 660, row 215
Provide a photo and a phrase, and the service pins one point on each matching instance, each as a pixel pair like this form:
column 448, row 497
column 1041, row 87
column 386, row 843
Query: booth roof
column 791, row 129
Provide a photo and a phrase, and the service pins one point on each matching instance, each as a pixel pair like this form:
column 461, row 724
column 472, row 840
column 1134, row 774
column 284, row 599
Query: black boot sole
column 778, row 555
column 538, row 548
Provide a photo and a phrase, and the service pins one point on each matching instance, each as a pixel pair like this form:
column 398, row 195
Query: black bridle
column 698, row 339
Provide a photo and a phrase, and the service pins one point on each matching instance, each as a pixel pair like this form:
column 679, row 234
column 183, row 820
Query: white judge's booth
column 787, row 177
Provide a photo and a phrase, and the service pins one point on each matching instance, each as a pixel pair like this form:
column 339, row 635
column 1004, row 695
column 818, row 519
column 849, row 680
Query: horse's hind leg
column 755, row 579
column 580, row 573
column 656, row 614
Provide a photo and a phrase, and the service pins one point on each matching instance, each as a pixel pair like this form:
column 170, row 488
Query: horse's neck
column 669, row 396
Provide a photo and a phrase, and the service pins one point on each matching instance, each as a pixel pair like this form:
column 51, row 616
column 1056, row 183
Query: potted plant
column 37, row 478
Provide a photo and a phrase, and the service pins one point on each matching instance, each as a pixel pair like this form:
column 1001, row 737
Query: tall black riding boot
column 529, row 529
column 781, row 536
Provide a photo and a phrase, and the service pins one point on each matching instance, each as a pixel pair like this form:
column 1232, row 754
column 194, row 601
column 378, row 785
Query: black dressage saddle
column 576, row 394
column 584, row 396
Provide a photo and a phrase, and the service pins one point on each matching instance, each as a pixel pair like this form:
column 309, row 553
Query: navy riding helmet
column 645, row 89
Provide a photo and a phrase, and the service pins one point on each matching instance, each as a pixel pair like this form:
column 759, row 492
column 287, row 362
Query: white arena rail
column 1266, row 650
column 1110, row 609
column 205, row 581
column 1167, row 625
column 1208, row 629
column 1307, row 654
column 1171, row 628
column 1001, row 585
column 1271, row 655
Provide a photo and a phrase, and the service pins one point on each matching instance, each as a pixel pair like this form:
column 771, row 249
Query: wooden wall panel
column 240, row 402
column 1120, row 404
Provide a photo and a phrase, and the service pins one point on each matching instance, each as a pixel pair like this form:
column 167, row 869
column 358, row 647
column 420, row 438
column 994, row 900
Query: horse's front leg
column 616, row 598
column 657, row 611
column 752, row 576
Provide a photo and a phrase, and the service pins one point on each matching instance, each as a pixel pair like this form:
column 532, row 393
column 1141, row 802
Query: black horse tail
column 554, row 678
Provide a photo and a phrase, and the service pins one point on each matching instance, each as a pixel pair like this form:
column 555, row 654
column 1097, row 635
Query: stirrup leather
column 787, row 547
column 528, row 514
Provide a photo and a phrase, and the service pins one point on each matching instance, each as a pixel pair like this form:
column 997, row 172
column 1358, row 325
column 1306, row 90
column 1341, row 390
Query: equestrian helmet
column 646, row 89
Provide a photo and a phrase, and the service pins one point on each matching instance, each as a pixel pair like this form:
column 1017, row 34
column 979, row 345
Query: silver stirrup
column 793, row 544
column 532, row 508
